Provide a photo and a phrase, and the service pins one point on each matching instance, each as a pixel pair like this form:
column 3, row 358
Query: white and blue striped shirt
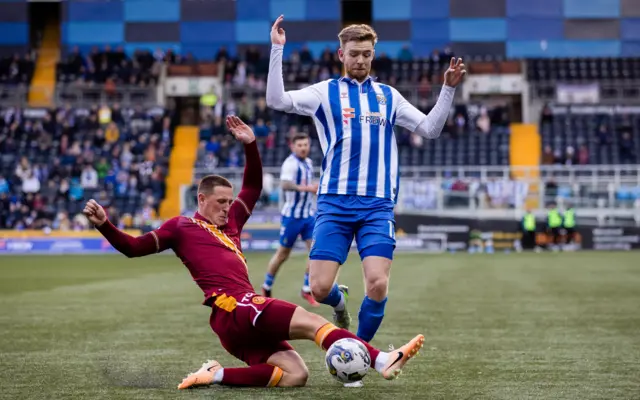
column 297, row 204
column 355, row 127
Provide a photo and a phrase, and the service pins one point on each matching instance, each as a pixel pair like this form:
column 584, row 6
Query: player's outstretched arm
column 305, row 101
column 430, row 126
column 149, row 243
column 252, row 180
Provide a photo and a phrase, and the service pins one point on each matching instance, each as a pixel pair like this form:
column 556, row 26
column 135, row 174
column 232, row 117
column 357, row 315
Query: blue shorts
column 291, row 228
column 340, row 218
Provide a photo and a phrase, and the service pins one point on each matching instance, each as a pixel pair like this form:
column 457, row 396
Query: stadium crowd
column 51, row 161
column 589, row 139
column 113, row 67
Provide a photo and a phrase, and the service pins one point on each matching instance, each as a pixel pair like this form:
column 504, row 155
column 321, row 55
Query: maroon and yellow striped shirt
column 212, row 254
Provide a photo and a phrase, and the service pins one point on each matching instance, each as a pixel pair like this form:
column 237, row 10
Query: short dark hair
column 299, row 136
column 208, row 184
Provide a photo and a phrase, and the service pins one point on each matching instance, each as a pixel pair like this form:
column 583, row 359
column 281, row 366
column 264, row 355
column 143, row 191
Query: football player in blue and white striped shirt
column 296, row 181
column 355, row 116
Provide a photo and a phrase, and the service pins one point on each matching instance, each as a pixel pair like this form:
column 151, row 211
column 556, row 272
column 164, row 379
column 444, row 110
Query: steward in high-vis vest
column 528, row 229
column 570, row 224
column 554, row 223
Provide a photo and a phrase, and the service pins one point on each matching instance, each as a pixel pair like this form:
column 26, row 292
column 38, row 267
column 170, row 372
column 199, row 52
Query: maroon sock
column 328, row 334
column 259, row 375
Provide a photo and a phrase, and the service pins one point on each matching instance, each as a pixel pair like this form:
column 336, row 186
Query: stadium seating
column 608, row 139
column 583, row 69
column 57, row 159
column 99, row 66
column 14, row 71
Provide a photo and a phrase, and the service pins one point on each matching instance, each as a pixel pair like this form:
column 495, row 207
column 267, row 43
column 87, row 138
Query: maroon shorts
column 253, row 330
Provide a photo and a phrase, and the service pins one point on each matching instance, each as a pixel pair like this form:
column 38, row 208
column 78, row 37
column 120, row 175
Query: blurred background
column 123, row 101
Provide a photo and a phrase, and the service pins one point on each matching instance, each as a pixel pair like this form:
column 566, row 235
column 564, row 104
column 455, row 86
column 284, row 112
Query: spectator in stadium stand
column 246, row 109
column 570, row 156
column 483, row 123
column 89, row 177
column 460, row 124
column 604, row 136
column 305, row 55
column 4, row 185
column 546, row 115
column 583, row 155
column 30, row 184
column 547, row 156
column 627, row 149
column 261, row 130
column 405, row 54
column 557, row 157
column 222, row 54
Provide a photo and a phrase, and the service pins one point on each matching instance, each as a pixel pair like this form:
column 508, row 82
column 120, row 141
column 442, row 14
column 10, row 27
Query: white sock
column 306, row 289
column 381, row 361
column 217, row 377
column 340, row 306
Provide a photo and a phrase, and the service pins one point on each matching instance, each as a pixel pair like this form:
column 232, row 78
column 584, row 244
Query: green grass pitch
column 505, row 326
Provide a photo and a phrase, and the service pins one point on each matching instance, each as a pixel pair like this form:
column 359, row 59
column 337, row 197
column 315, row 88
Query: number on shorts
column 392, row 232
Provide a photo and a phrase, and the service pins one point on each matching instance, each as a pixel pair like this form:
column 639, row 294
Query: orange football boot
column 398, row 358
column 202, row 377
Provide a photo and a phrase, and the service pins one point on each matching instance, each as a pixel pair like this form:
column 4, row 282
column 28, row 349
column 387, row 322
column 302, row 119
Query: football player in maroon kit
column 253, row 328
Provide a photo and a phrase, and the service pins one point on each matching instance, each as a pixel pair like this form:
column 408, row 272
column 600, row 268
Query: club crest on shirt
column 258, row 300
column 382, row 99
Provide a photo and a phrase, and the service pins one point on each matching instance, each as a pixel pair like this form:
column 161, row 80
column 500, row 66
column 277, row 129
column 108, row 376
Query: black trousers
column 571, row 233
column 554, row 233
column 528, row 240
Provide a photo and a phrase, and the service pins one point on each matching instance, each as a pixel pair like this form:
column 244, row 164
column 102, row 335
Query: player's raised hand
column 455, row 73
column 95, row 213
column 240, row 130
column 277, row 33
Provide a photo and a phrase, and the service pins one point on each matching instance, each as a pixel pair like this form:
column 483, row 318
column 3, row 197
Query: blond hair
column 357, row 33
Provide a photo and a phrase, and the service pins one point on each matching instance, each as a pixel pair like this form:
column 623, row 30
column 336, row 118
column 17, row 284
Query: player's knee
column 377, row 287
column 319, row 289
column 301, row 376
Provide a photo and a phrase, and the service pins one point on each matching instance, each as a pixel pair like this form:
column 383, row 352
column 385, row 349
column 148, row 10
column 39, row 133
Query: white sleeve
column 304, row 101
column 429, row 126
column 289, row 171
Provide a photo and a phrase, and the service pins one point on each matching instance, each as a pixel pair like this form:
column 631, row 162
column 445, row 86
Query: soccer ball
column 348, row 360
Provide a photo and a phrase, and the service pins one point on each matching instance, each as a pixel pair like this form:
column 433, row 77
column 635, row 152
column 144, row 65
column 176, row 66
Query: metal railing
column 79, row 96
column 84, row 96
column 14, row 95
column 561, row 174
column 597, row 191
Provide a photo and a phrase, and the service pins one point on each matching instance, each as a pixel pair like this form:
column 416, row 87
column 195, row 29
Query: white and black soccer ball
column 348, row 360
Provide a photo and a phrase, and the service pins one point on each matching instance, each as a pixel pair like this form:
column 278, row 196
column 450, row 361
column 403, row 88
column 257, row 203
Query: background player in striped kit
column 355, row 116
column 296, row 179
